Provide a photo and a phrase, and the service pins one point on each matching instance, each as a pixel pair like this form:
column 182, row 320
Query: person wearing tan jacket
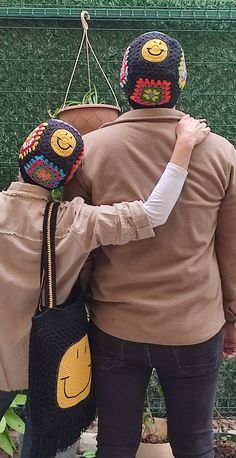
column 48, row 159
column 161, row 303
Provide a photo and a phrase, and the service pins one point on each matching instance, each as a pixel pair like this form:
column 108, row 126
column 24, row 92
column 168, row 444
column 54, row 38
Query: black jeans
column 188, row 376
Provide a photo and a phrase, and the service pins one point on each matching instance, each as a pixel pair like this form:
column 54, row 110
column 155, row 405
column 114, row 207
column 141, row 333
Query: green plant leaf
column 149, row 424
column 57, row 194
column 89, row 454
column 14, row 421
column 19, row 400
column 53, row 114
column 72, row 102
column 3, row 424
column 160, row 392
column 5, row 443
column 9, row 437
column 148, row 419
column 91, row 96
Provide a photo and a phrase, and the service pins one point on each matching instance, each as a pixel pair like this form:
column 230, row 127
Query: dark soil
column 225, row 449
column 152, row 439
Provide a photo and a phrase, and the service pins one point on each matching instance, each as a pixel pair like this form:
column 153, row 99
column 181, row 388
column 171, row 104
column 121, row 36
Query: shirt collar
column 148, row 114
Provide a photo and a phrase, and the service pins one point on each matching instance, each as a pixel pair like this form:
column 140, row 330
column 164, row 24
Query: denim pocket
column 107, row 351
column 106, row 362
column 201, row 358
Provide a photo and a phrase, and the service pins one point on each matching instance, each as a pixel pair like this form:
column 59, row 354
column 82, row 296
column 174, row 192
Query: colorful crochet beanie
column 51, row 154
column 153, row 72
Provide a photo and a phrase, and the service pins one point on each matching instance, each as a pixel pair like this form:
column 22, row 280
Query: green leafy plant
column 226, row 438
column 11, row 421
column 90, row 97
column 154, row 430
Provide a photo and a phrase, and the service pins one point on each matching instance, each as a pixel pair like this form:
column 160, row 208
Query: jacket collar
column 26, row 189
column 148, row 114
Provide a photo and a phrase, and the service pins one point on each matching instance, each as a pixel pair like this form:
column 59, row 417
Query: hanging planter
column 86, row 118
column 88, row 115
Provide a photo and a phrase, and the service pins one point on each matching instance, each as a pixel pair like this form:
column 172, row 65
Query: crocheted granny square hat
column 153, row 71
column 51, row 154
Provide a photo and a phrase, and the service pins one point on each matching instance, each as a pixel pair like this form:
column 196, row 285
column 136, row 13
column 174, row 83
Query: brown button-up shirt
column 80, row 229
column 170, row 289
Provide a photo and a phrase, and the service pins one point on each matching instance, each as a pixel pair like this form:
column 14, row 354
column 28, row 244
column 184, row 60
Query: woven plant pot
column 89, row 117
column 154, row 451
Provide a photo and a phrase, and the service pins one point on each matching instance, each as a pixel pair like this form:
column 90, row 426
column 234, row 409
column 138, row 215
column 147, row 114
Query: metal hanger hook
column 84, row 18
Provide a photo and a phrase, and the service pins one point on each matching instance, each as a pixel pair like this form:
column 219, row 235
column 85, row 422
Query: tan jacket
column 168, row 289
column 80, row 228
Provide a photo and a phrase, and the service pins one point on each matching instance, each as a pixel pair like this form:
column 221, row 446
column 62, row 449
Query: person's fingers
column 188, row 116
column 200, row 123
column 229, row 348
column 228, row 356
column 206, row 130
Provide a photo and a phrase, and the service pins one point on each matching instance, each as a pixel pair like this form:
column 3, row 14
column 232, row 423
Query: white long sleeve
column 165, row 194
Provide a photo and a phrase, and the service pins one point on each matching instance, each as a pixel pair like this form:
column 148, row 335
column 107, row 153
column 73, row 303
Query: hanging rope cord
column 84, row 16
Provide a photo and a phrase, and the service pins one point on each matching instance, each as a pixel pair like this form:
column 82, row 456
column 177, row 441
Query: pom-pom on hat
column 153, row 71
column 51, row 154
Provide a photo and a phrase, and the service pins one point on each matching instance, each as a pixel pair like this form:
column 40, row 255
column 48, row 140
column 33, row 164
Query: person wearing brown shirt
column 161, row 303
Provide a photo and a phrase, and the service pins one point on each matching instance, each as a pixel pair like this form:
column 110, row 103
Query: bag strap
column 48, row 258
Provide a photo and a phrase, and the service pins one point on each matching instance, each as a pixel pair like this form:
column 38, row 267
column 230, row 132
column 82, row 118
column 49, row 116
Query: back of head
column 153, row 72
column 51, row 154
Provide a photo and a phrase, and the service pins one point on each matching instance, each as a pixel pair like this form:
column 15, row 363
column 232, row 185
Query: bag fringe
column 49, row 444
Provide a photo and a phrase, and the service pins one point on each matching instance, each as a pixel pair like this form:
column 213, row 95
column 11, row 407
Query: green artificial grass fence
column 37, row 55
column 39, row 41
column 122, row 3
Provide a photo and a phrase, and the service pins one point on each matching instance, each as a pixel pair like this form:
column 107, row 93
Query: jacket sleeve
column 109, row 224
column 225, row 242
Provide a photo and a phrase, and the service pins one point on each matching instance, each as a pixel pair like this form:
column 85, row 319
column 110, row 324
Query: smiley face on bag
column 74, row 375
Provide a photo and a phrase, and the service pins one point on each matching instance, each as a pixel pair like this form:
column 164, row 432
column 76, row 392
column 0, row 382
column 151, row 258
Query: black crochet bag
column 61, row 402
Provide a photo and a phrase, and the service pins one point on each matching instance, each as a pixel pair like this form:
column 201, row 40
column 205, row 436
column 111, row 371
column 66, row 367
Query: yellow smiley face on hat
column 155, row 50
column 63, row 142
column 74, row 375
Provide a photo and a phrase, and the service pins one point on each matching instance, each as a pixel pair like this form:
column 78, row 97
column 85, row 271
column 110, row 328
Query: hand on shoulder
column 191, row 131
